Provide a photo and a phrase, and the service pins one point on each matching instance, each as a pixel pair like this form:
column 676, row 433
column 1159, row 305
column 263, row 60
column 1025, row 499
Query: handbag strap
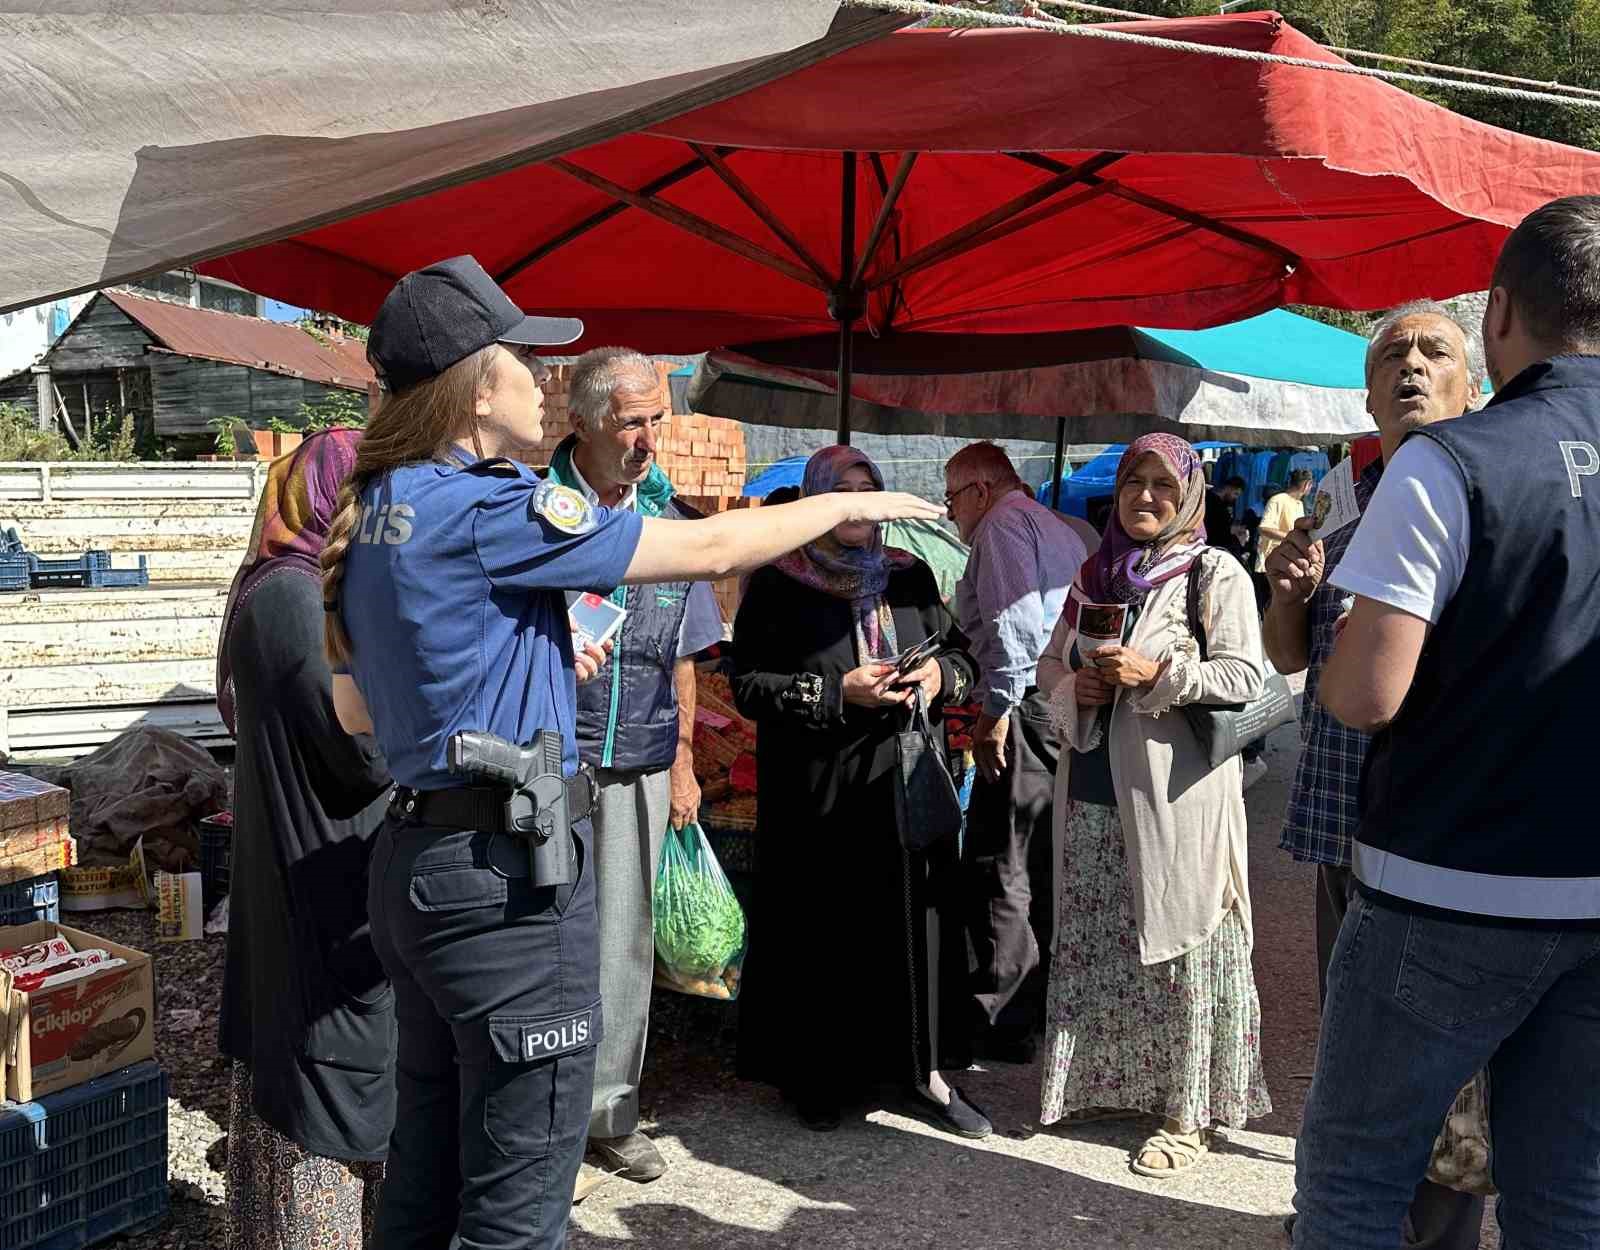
column 919, row 714
column 1193, row 597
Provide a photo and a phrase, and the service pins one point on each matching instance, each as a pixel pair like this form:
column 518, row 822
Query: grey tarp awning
column 137, row 136
column 1106, row 385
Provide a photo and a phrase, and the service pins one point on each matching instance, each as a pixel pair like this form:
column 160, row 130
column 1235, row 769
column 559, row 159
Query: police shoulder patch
column 562, row 507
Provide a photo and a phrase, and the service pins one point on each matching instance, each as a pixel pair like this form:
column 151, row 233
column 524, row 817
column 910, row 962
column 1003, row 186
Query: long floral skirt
column 1181, row 1039
column 282, row 1197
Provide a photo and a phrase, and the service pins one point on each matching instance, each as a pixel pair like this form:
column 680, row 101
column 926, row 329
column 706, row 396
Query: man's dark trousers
column 1009, row 878
column 1440, row 1218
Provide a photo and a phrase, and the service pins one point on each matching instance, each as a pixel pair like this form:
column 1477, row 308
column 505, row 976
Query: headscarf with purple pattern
column 1125, row 570
column 859, row 574
column 297, row 505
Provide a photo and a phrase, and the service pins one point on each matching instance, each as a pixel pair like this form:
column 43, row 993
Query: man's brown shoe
column 633, row 1157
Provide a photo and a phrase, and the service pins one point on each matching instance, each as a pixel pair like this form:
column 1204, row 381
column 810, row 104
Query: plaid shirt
column 1324, row 806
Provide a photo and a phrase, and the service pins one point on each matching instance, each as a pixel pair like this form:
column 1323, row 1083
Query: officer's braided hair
column 419, row 423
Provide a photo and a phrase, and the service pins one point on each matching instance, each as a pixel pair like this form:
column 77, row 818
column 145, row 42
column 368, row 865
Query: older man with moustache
column 1423, row 366
column 635, row 727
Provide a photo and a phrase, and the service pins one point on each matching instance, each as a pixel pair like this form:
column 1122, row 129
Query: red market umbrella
column 976, row 182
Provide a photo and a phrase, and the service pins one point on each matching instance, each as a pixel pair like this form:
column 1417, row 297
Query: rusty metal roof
column 277, row 346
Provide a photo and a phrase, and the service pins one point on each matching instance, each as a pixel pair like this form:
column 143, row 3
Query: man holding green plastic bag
column 635, row 726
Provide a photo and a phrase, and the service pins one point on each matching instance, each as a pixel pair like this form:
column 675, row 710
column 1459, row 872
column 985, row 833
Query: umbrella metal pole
column 845, row 304
column 1055, row 464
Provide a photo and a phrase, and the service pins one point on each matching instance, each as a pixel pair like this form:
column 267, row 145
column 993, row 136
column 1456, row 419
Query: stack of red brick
column 33, row 828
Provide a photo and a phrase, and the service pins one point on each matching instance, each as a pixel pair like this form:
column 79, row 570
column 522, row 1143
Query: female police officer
column 443, row 579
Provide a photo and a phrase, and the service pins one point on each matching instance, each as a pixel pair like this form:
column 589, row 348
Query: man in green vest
column 635, row 727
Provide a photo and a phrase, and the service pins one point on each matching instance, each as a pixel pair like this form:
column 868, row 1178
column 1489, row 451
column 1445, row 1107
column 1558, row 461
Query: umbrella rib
column 671, row 178
column 875, row 235
column 693, row 224
column 976, row 232
column 1166, row 207
column 763, row 211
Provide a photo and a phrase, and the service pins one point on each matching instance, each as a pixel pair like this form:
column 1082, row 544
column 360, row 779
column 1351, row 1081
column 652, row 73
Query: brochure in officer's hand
column 594, row 619
column 1098, row 625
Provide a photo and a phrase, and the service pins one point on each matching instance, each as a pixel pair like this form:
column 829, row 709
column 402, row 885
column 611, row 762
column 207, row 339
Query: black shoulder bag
column 926, row 807
column 1225, row 729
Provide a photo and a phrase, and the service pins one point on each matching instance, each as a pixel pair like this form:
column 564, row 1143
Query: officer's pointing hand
column 886, row 505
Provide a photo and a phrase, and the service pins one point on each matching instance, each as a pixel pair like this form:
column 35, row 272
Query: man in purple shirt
column 1023, row 559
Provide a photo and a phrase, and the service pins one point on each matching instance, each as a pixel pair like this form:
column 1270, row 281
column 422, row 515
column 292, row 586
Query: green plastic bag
column 699, row 925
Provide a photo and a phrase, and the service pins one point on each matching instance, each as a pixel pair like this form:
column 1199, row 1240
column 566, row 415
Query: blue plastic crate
column 15, row 572
column 32, row 898
column 85, row 1164
column 92, row 570
column 216, row 858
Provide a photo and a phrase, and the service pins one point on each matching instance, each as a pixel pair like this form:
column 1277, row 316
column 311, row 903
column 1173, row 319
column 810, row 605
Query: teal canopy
column 1279, row 346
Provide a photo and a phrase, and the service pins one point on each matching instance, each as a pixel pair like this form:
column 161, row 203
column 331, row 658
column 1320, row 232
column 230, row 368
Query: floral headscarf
column 859, row 574
column 298, row 503
column 1125, row 570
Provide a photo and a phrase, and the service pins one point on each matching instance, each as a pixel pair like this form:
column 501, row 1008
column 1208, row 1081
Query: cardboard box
column 60, row 1037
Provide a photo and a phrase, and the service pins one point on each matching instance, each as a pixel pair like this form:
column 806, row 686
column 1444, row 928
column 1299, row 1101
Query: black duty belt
column 483, row 807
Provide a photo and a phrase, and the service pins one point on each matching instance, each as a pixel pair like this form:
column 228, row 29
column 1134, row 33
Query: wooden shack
column 178, row 368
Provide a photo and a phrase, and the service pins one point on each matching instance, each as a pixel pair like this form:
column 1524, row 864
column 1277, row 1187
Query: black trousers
column 1008, row 876
column 1441, row 1218
column 497, row 1000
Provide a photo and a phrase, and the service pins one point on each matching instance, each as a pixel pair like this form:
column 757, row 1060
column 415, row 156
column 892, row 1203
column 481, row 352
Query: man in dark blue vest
column 1473, row 654
column 635, row 726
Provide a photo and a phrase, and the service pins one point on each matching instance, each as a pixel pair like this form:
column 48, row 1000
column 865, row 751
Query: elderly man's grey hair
column 598, row 375
column 1470, row 331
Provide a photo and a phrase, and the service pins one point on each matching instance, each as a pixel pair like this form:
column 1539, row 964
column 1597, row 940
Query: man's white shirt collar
column 630, row 501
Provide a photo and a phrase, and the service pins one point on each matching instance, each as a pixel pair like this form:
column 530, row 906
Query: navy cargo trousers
column 497, row 1002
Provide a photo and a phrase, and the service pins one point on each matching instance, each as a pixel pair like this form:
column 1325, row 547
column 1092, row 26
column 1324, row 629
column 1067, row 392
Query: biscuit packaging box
column 64, row 1034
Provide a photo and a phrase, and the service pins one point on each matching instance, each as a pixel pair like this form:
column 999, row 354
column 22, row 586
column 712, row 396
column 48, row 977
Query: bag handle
column 919, row 713
column 1193, row 598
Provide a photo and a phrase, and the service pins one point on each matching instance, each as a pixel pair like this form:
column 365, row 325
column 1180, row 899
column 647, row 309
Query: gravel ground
column 745, row 1176
column 188, row 992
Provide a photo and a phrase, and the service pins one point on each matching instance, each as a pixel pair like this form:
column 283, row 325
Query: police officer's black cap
column 439, row 315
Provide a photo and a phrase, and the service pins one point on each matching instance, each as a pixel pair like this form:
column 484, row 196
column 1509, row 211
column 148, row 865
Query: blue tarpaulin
column 1096, row 479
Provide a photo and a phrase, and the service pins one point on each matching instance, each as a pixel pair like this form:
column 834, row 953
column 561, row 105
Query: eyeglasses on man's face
column 950, row 496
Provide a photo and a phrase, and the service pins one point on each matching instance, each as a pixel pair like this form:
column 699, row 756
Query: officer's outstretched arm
column 717, row 546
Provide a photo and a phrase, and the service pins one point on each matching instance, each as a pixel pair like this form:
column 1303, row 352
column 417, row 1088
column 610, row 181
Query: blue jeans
column 1416, row 1005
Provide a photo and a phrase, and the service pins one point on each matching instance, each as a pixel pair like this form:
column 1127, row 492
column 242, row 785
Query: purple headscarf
column 859, row 574
column 1125, row 570
column 297, row 505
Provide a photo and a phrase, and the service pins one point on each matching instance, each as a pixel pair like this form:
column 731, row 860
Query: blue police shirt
column 452, row 598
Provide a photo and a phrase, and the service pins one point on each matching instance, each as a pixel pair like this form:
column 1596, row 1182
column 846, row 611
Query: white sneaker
column 1254, row 771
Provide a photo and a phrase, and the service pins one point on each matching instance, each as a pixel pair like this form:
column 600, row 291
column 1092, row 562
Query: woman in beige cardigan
column 1152, row 1002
